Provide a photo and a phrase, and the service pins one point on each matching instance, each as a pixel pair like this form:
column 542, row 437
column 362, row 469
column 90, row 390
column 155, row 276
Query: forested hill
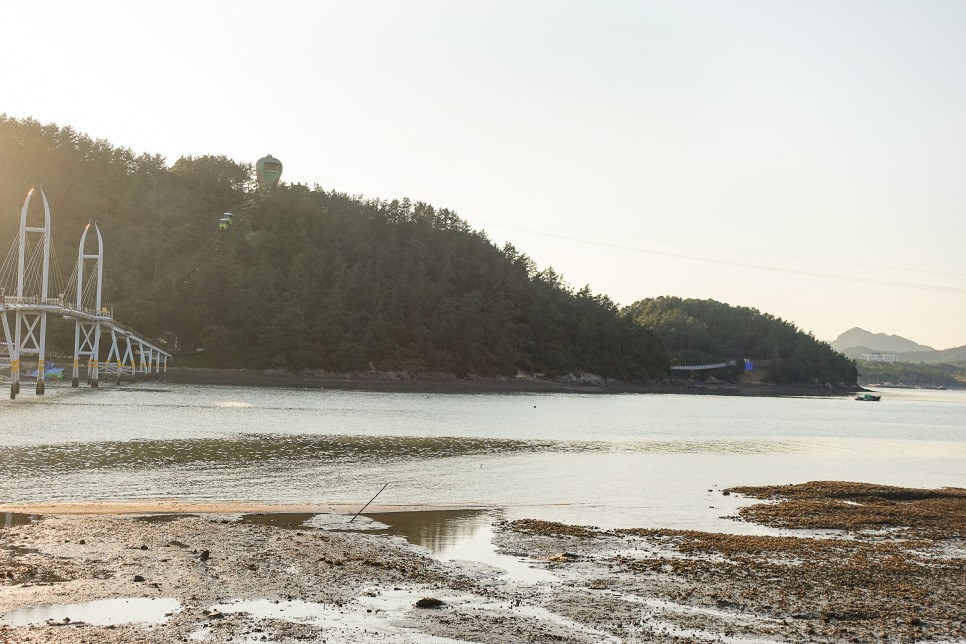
column 308, row 278
column 705, row 331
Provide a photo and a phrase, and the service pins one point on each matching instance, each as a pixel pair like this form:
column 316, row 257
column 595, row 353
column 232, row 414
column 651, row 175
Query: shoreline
column 890, row 569
column 447, row 383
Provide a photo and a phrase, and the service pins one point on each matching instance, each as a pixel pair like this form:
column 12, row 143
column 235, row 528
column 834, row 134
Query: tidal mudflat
column 870, row 563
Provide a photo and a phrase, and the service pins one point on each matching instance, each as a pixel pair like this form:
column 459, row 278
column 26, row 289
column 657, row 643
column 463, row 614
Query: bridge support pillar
column 82, row 347
column 14, row 377
column 114, row 356
column 30, row 338
column 142, row 362
column 41, row 373
column 14, row 356
column 129, row 358
column 87, row 342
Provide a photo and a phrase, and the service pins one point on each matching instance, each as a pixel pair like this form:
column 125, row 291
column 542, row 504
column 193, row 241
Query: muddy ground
column 884, row 569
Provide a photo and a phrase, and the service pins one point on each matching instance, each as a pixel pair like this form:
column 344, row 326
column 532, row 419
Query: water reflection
column 436, row 530
column 11, row 519
column 465, row 535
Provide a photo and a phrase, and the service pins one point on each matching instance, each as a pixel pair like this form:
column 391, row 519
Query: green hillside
column 308, row 278
column 705, row 331
column 912, row 375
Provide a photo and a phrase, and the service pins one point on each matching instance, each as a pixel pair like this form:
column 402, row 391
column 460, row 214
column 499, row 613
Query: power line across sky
column 763, row 267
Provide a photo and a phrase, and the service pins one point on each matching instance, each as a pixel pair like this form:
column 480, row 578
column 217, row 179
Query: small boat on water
column 868, row 397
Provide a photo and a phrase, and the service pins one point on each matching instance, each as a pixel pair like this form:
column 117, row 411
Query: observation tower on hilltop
column 268, row 171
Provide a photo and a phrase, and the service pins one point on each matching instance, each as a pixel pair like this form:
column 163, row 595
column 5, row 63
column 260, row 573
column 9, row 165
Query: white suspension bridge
column 26, row 273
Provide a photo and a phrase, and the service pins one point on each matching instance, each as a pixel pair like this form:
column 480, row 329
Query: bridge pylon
column 87, row 333
column 30, row 326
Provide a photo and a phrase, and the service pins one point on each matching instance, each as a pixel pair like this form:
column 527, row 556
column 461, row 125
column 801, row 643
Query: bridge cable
column 90, row 288
column 6, row 270
column 56, row 277
column 71, row 285
column 32, row 275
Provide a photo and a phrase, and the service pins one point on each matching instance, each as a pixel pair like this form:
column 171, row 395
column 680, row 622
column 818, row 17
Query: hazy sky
column 804, row 158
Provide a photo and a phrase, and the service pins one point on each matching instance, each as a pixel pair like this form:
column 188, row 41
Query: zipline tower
column 87, row 333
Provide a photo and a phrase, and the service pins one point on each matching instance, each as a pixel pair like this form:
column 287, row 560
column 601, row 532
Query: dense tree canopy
column 705, row 331
column 309, row 278
column 911, row 374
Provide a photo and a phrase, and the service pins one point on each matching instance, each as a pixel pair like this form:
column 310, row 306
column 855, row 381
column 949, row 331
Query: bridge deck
column 60, row 307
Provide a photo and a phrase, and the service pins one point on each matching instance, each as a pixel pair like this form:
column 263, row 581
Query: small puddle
column 287, row 520
column 20, row 550
column 13, row 519
column 449, row 535
column 398, row 601
column 165, row 518
column 102, row 612
column 459, row 535
column 355, row 622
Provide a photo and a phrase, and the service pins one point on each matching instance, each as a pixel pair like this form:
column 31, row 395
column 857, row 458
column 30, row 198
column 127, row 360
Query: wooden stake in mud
column 370, row 501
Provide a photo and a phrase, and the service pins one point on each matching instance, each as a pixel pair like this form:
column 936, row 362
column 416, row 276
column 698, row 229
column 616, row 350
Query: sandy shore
column 191, row 575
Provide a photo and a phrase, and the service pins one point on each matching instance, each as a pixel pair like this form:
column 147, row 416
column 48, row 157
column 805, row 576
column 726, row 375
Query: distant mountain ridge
column 881, row 342
column 856, row 342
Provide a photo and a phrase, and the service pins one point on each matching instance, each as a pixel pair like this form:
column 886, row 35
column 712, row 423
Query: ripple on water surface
column 246, row 450
column 269, row 449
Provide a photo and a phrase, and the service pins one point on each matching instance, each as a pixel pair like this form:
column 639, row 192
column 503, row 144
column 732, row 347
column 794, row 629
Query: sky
column 807, row 159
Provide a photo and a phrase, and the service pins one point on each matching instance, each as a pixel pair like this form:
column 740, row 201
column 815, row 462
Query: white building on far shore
column 879, row 357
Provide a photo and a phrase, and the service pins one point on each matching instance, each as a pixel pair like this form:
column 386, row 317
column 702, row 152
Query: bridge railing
column 13, row 300
column 56, row 302
column 60, row 306
column 702, row 367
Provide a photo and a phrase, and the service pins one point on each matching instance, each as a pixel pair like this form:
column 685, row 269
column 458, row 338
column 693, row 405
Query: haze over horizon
column 804, row 160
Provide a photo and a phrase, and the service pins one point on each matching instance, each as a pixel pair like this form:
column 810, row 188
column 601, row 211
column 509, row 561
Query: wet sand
column 207, row 507
column 220, row 575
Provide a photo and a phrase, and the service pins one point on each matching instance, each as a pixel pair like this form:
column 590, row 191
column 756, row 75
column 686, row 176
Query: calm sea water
column 620, row 460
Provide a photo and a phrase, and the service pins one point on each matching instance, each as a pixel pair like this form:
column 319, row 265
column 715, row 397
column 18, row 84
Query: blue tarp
column 49, row 372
